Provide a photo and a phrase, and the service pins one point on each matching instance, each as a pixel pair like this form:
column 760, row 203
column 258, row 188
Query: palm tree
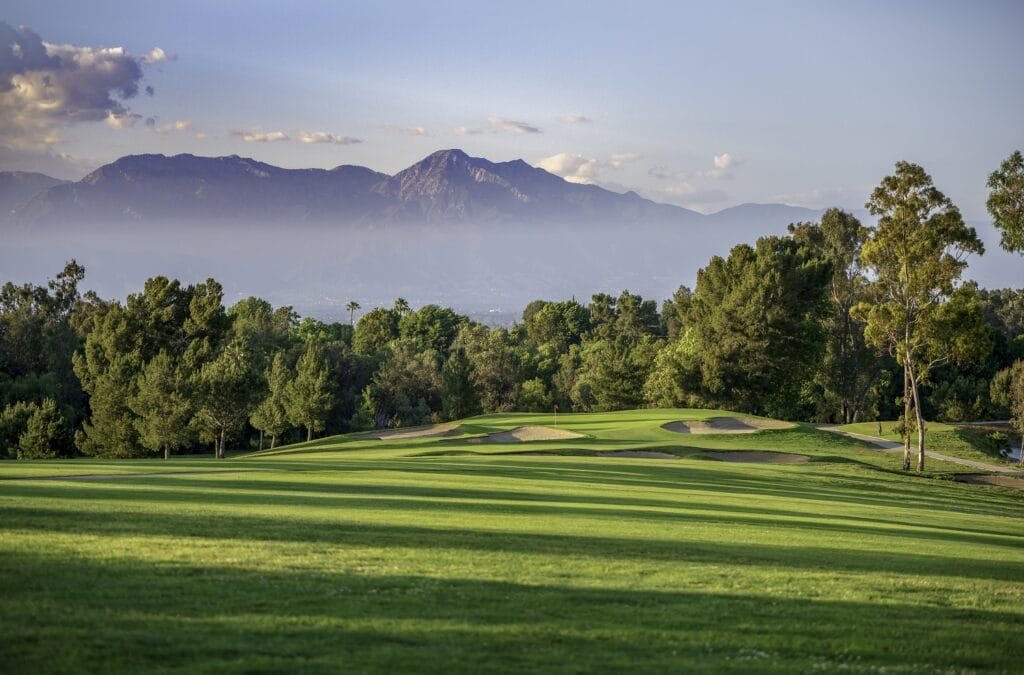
column 402, row 306
column 352, row 306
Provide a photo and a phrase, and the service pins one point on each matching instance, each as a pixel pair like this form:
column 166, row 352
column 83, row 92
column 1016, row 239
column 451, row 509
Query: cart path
column 894, row 447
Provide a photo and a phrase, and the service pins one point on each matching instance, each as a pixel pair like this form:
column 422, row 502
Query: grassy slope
column 945, row 438
column 361, row 555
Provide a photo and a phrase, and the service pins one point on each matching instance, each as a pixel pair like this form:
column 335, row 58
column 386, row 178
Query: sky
column 701, row 104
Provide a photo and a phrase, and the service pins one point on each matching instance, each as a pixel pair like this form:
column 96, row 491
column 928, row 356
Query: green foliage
column 307, row 397
column 407, row 387
column 227, row 389
column 13, row 422
column 163, row 406
column 430, row 327
column 460, row 396
column 1008, row 391
column 1006, row 201
column 271, row 415
column 375, row 330
column 47, row 433
column 534, row 396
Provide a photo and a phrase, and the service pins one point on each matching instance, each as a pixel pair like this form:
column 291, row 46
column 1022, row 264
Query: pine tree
column 460, row 396
column 308, row 397
column 227, row 389
column 163, row 406
column 270, row 415
column 46, row 434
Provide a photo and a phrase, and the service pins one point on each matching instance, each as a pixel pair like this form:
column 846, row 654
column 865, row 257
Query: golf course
column 660, row 540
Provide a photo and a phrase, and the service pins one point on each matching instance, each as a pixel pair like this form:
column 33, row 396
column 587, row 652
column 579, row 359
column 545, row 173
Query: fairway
column 620, row 547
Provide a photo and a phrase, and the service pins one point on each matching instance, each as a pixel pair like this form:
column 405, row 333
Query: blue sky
column 705, row 105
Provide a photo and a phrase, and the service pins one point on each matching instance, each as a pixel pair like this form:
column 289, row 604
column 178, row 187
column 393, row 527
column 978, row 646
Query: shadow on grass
column 124, row 616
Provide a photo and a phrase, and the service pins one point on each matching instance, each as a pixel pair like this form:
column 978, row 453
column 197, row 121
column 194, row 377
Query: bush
column 13, row 422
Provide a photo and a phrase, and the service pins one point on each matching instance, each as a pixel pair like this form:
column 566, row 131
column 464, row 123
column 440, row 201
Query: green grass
column 962, row 442
column 360, row 555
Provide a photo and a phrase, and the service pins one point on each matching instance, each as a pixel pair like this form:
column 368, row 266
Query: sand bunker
column 530, row 433
column 643, row 454
column 725, row 425
column 1001, row 481
column 431, row 431
column 754, row 457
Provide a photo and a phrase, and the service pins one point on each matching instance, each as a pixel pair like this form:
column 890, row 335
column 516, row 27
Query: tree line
column 833, row 322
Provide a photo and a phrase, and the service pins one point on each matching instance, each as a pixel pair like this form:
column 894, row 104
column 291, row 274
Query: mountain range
column 451, row 229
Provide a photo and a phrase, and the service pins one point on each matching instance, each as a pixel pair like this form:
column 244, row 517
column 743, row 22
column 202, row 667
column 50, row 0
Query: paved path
column 894, row 447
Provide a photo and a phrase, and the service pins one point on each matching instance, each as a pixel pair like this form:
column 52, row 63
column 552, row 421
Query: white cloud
column 411, row 130
column 573, row 168
column 580, row 169
column 617, row 160
column 821, row 198
column 325, row 137
column 45, row 87
column 260, row 136
column 723, row 165
column 497, row 125
column 571, row 118
column 122, row 121
column 177, row 125
column 156, row 55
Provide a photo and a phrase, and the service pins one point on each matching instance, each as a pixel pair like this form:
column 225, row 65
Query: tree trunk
column 167, row 452
column 261, row 439
column 906, row 418
column 309, row 434
column 919, row 416
column 221, row 454
column 1020, row 456
column 273, row 440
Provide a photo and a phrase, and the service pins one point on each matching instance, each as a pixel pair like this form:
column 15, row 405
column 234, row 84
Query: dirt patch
column 643, row 454
column 725, row 425
column 754, row 457
column 1001, row 481
column 530, row 433
column 431, row 431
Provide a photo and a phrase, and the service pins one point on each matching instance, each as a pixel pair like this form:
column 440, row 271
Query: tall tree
column 1008, row 390
column 47, row 433
column 308, row 396
column 1006, row 201
column 163, row 406
column 460, row 396
column 352, row 307
column 917, row 252
column 849, row 367
column 270, row 416
column 227, row 389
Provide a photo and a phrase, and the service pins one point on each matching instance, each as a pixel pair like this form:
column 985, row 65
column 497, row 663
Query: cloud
column 260, row 136
column 411, row 131
column 177, row 125
column 156, row 55
column 723, row 165
column 573, row 168
column 617, row 160
column 46, row 87
column 324, row 137
column 123, row 121
column 821, row 198
column 662, row 173
column 496, row 125
column 570, row 118
column 580, row 169
column 684, row 193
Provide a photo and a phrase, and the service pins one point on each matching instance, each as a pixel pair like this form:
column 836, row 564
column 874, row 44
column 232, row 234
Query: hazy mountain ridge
column 447, row 186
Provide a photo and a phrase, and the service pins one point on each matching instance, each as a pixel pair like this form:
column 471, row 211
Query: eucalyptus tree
column 917, row 253
column 1006, row 201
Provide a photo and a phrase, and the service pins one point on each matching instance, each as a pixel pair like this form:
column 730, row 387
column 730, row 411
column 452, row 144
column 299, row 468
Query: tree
column 163, row 406
column 13, row 422
column 849, row 367
column 271, row 416
column 307, row 398
column 352, row 306
column 1008, row 390
column 917, row 252
column 227, row 389
column 375, row 330
column 1006, row 201
column 755, row 324
column 460, row 398
column 46, row 434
